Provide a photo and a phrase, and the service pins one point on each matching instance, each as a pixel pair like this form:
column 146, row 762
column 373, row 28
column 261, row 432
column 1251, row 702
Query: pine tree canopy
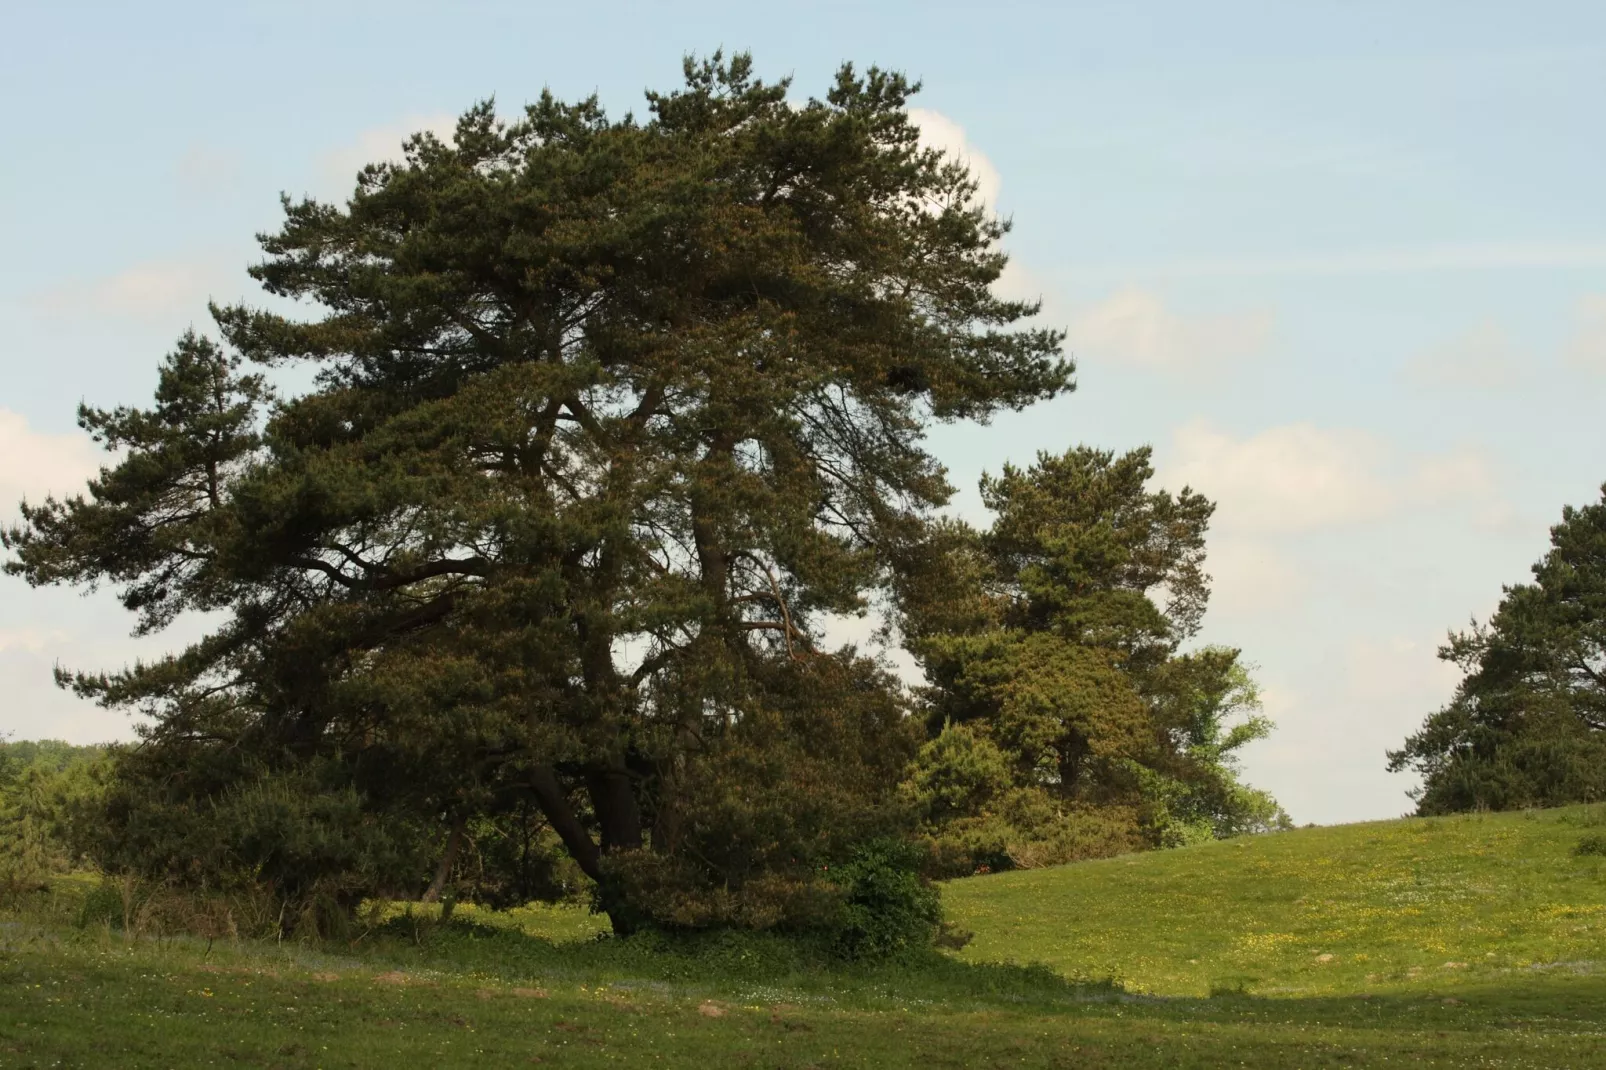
column 610, row 416
column 1068, row 718
column 1527, row 724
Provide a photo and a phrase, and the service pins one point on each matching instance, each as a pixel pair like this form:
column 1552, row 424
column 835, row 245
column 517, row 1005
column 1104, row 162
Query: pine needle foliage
column 609, row 416
column 1068, row 721
column 1527, row 724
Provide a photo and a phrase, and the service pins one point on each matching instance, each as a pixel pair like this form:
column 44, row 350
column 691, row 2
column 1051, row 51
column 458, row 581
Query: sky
column 1342, row 265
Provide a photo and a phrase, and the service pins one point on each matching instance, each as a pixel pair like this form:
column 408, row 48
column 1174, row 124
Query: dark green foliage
column 610, row 416
column 1067, row 723
column 1527, row 724
column 1594, row 844
column 225, row 824
column 888, row 908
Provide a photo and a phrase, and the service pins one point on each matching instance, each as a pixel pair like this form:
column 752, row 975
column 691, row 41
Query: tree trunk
column 614, row 801
column 555, row 805
column 454, row 842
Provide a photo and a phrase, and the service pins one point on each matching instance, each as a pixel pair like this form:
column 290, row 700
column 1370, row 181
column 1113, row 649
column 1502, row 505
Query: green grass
column 1390, row 902
column 1392, row 906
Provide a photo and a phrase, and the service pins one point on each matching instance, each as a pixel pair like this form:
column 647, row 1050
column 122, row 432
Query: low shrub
column 888, row 908
column 1593, row 844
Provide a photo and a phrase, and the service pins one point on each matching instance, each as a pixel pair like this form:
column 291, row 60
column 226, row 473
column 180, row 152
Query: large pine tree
column 609, row 416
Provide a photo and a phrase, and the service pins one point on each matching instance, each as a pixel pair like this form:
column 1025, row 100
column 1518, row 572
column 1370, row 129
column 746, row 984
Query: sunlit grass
column 560, row 923
column 1383, row 906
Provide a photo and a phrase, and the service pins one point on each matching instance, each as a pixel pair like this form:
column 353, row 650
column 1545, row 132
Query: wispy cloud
column 1285, row 479
column 1135, row 327
column 1253, row 577
column 155, row 292
column 34, row 463
column 32, row 640
column 1300, row 477
column 208, row 169
column 379, row 144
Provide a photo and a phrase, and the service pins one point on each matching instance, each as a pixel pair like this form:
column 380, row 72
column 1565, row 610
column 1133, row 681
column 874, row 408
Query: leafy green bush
column 888, row 908
column 234, row 846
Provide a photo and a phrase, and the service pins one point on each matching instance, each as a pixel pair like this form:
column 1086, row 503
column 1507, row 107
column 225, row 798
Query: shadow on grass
column 757, row 963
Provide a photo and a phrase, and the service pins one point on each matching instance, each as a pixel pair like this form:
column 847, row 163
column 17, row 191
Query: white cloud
column 33, row 464
column 35, row 708
column 1325, row 760
column 937, row 131
column 156, row 292
column 1020, row 283
column 1483, row 358
column 380, row 144
column 1135, row 327
column 1467, row 477
column 1285, row 479
column 48, row 627
column 1464, row 474
column 1587, row 349
column 1300, row 477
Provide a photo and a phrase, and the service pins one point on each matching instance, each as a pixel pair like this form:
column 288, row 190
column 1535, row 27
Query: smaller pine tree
column 1527, row 724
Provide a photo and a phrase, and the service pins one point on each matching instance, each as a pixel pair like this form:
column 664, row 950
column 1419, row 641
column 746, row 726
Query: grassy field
column 1389, row 906
column 1502, row 898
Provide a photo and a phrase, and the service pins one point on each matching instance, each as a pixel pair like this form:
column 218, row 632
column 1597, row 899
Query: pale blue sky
column 1342, row 264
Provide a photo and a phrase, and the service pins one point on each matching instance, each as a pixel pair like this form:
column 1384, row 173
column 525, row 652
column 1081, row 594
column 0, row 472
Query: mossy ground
column 1392, row 903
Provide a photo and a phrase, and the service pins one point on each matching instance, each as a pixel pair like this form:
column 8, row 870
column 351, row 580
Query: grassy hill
column 1459, row 942
column 1384, row 906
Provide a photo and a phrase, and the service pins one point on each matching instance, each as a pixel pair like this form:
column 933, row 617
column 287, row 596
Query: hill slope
column 1347, row 909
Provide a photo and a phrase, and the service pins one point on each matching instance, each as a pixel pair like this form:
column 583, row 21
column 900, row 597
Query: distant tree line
column 44, row 786
column 529, row 592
